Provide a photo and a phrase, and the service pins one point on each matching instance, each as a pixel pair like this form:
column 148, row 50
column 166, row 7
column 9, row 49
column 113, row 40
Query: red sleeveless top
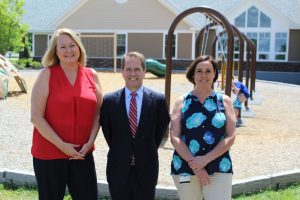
column 70, row 111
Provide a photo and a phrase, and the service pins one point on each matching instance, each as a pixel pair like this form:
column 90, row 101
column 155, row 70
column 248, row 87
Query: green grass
column 11, row 193
column 8, row 192
column 290, row 193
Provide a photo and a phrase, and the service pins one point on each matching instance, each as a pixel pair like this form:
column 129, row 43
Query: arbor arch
column 216, row 17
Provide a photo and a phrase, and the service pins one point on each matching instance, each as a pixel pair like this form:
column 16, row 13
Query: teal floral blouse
column 202, row 126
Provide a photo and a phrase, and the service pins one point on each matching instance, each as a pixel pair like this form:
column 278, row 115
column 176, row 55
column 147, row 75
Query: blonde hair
column 50, row 58
column 136, row 55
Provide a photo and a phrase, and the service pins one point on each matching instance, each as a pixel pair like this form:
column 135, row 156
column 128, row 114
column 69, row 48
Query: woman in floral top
column 202, row 132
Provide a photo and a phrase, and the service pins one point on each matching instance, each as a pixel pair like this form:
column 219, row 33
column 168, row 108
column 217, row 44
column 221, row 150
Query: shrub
column 35, row 64
column 22, row 63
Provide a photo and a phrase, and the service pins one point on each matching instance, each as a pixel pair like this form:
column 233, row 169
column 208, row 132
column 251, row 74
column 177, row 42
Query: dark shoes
column 239, row 122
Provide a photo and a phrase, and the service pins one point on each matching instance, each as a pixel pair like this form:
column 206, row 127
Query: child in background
column 242, row 95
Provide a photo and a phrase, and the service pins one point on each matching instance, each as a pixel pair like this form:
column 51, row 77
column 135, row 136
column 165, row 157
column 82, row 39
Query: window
column 264, row 21
column 280, row 42
column 236, row 48
column 252, row 17
column 121, row 44
column 264, row 42
column 222, row 45
column 173, row 45
column 253, row 37
column 240, row 21
column 280, row 46
column 264, row 46
column 257, row 25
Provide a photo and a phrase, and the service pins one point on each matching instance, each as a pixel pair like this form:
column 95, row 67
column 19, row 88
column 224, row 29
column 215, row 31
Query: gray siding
column 98, row 47
column 134, row 14
column 184, row 49
column 150, row 44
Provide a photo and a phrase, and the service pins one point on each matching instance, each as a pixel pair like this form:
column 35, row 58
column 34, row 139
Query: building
column 142, row 25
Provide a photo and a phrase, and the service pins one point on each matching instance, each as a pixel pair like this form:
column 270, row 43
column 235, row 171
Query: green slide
column 155, row 67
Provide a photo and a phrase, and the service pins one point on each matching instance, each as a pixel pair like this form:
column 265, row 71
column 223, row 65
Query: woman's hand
column 86, row 147
column 198, row 162
column 69, row 150
column 202, row 176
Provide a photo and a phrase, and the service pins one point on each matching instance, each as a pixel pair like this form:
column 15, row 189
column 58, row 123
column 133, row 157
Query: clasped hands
column 197, row 164
column 70, row 150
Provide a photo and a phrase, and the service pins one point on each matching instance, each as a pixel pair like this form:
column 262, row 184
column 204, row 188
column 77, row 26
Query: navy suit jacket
column 154, row 120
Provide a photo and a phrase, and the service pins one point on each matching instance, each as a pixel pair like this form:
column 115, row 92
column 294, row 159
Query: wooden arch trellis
column 217, row 18
column 213, row 47
column 250, row 60
column 250, row 55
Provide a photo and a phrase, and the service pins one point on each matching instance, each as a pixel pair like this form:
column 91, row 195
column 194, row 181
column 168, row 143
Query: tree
column 12, row 30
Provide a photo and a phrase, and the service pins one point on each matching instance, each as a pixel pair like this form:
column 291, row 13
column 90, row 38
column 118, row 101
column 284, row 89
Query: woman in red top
column 65, row 103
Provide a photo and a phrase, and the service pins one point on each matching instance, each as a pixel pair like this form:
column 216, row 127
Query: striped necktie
column 133, row 114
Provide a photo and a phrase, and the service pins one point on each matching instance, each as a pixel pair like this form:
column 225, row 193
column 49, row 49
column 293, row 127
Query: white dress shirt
column 139, row 100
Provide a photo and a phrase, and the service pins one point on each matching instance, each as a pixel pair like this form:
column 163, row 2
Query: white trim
column 193, row 44
column 261, row 6
column 176, row 11
column 130, row 31
column 287, row 45
column 97, row 36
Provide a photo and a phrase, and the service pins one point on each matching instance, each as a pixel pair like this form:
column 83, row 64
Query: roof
column 42, row 15
column 289, row 9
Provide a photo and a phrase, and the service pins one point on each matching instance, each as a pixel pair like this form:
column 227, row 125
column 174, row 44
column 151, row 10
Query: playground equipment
column 217, row 23
column 215, row 17
column 155, row 67
column 9, row 70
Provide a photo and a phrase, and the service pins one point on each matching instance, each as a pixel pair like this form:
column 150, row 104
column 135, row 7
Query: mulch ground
column 268, row 143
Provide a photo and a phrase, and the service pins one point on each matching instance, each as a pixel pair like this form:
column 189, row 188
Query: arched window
column 257, row 26
column 240, row 21
column 253, row 18
column 264, row 21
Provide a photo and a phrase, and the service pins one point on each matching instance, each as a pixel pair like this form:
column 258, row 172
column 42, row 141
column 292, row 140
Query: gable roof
column 43, row 15
column 288, row 8
column 40, row 15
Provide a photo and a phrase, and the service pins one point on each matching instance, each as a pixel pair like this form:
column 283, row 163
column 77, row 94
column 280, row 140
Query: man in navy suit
column 132, row 160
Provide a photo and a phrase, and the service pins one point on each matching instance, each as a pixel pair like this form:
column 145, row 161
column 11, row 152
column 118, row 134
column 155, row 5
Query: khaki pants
column 219, row 188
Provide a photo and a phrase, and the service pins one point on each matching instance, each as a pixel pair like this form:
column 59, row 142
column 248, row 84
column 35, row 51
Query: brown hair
column 133, row 54
column 191, row 70
column 50, row 58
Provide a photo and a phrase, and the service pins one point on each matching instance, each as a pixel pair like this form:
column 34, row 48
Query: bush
column 22, row 63
column 35, row 64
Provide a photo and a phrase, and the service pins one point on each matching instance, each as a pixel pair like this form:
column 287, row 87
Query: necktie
column 133, row 114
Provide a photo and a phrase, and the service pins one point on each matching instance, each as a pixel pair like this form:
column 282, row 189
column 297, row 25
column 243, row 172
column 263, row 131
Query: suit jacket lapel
column 121, row 107
column 146, row 109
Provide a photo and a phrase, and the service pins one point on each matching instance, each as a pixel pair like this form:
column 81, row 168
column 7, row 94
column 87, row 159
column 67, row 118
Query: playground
column 267, row 143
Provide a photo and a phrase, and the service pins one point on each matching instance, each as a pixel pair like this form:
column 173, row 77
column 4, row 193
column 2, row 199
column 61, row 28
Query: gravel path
column 269, row 142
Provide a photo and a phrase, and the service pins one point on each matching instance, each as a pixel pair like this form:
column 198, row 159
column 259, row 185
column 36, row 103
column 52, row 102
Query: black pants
column 54, row 175
column 134, row 190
